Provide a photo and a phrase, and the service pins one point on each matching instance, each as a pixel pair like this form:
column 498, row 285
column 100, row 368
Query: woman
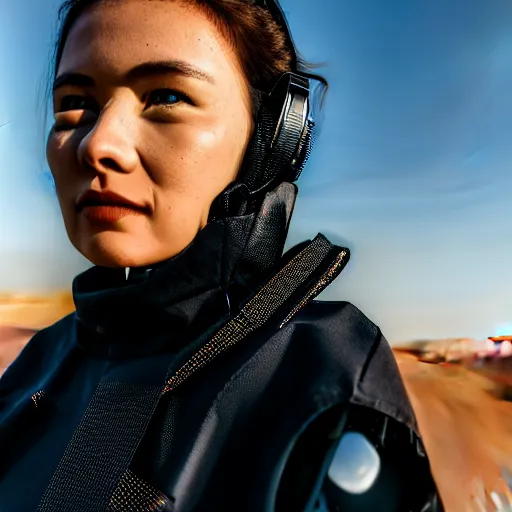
column 197, row 373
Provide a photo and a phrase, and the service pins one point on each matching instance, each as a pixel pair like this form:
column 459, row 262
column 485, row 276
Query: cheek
column 216, row 154
column 60, row 155
column 194, row 157
column 57, row 150
column 224, row 145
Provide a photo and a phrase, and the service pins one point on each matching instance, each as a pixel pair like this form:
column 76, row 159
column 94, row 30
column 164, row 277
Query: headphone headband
column 277, row 13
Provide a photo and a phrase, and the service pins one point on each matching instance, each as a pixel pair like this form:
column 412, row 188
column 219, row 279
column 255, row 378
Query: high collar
column 163, row 308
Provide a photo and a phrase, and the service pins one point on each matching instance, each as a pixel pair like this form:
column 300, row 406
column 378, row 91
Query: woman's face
column 152, row 119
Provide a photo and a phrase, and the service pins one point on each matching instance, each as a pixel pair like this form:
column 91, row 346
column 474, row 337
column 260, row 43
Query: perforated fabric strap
column 302, row 279
column 135, row 495
column 97, row 459
column 101, row 448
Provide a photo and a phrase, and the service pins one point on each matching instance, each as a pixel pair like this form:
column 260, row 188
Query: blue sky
column 411, row 169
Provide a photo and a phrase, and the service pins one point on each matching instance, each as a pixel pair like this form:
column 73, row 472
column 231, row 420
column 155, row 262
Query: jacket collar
column 163, row 308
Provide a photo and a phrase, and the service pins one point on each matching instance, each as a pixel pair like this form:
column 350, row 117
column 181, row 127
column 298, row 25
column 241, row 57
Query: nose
column 110, row 146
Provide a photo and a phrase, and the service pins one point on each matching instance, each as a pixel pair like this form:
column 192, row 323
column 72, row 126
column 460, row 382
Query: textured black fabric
column 270, row 230
column 136, row 495
column 111, row 309
column 221, row 440
column 254, row 406
column 299, row 281
column 101, row 447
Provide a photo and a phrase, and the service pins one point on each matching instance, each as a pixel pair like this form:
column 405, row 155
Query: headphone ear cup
column 281, row 141
column 304, row 151
column 254, row 173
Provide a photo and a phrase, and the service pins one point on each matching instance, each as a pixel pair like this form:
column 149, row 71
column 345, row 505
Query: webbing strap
column 101, row 448
column 103, row 445
column 288, row 288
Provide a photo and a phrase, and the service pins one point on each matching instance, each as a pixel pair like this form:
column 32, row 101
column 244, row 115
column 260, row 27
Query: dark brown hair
column 262, row 47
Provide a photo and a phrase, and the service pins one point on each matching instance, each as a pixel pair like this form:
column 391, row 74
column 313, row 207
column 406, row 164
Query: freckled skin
column 173, row 159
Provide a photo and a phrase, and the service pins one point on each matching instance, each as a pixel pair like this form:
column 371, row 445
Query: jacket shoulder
column 338, row 321
column 339, row 311
column 354, row 344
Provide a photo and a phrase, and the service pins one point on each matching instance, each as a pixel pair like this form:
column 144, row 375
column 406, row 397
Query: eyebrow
column 76, row 79
column 153, row 68
column 162, row 67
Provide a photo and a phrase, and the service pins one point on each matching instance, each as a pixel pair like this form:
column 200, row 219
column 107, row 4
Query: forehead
column 113, row 37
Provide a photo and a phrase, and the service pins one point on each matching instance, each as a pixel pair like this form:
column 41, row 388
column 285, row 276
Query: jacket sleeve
column 380, row 385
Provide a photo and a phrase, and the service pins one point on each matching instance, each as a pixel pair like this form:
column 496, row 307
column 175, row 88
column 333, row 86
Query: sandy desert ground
column 21, row 316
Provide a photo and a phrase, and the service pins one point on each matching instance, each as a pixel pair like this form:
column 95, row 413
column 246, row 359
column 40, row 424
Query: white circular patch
column 356, row 464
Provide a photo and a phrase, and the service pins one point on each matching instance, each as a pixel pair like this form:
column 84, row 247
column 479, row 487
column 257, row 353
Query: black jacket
column 248, row 430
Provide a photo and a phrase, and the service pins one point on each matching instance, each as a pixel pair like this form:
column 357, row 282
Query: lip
column 107, row 207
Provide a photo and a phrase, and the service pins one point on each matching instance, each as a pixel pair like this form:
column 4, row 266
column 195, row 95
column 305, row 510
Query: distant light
column 490, row 346
column 503, row 330
column 506, row 349
column 356, row 464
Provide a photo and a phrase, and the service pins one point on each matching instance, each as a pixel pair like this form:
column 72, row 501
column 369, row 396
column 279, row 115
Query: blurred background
column 411, row 169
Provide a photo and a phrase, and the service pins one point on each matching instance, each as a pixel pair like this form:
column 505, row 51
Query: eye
column 164, row 97
column 75, row 102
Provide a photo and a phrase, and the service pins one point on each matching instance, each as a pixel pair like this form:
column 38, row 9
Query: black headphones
column 282, row 138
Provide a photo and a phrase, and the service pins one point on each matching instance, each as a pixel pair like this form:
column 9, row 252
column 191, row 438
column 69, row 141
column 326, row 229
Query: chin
column 121, row 250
